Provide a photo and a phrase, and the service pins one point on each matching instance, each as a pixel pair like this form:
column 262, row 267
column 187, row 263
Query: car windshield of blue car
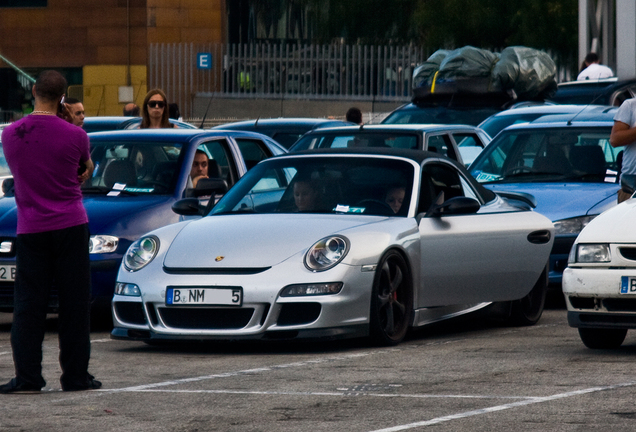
column 344, row 185
column 358, row 139
column 133, row 168
column 548, row 155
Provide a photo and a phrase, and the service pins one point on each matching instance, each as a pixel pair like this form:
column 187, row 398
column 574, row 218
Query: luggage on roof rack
column 516, row 74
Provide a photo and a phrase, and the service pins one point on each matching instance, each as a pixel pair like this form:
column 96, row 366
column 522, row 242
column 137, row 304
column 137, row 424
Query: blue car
column 108, row 123
column 139, row 175
column 568, row 167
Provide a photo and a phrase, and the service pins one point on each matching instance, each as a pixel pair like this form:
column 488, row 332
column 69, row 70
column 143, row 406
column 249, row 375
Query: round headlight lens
column 141, row 253
column 326, row 253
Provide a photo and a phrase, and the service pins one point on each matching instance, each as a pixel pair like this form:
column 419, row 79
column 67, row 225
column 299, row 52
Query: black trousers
column 57, row 257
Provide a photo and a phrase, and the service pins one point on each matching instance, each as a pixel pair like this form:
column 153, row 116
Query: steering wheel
column 376, row 207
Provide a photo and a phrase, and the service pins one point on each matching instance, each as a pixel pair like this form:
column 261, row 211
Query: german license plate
column 7, row 273
column 232, row 296
column 628, row 285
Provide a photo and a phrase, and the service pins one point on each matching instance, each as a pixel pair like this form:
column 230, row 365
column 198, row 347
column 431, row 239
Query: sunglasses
column 156, row 104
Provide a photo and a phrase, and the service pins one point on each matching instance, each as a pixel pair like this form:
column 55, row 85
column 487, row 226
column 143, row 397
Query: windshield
column 347, row 185
column 133, row 168
column 548, row 155
column 373, row 138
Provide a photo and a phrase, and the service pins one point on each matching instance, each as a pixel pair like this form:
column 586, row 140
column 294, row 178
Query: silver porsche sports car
column 336, row 243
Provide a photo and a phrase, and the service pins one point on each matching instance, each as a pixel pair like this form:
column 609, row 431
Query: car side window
column 221, row 164
column 468, row 140
column 253, row 151
column 441, row 144
column 439, row 178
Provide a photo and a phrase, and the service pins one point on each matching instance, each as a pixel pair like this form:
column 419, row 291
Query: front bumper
column 264, row 314
column 594, row 300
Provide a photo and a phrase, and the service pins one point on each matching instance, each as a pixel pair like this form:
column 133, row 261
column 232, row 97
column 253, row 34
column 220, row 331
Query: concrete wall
column 218, row 107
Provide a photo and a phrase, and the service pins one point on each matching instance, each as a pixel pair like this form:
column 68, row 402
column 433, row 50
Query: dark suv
column 609, row 91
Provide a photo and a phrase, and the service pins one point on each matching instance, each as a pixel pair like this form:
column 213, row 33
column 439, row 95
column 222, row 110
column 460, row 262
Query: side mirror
column 187, row 207
column 455, row 206
column 210, row 186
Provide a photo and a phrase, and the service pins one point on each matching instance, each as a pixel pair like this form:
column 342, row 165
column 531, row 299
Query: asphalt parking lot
column 464, row 375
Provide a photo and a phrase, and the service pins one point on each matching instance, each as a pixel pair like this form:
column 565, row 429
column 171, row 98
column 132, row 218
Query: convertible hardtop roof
column 418, row 156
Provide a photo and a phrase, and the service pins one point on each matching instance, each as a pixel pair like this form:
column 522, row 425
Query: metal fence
column 286, row 71
column 381, row 73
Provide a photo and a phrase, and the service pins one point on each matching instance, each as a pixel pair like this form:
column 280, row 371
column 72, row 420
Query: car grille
column 215, row 271
column 130, row 312
column 607, row 304
column 206, row 318
column 628, row 253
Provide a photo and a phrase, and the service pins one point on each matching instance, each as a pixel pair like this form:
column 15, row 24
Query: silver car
column 336, row 243
column 460, row 142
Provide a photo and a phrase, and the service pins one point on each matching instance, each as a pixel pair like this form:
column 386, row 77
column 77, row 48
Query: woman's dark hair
column 145, row 117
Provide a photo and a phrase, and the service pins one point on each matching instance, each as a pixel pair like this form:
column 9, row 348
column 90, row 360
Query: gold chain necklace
column 43, row 112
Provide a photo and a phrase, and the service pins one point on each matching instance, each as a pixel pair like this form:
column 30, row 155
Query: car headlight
column 103, row 244
column 326, row 253
column 141, row 253
column 573, row 225
column 590, row 253
column 126, row 289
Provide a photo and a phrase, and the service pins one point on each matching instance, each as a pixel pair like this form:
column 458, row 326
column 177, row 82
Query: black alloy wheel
column 392, row 300
column 527, row 310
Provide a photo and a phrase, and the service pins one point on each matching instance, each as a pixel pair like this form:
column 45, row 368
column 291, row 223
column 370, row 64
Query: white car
column 600, row 281
column 346, row 259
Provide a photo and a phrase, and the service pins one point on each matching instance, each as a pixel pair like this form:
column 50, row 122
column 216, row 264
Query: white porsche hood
column 249, row 241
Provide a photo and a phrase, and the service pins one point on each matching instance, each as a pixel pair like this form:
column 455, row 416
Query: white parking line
column 503, row 407
column 5, row 352
column 345, row 394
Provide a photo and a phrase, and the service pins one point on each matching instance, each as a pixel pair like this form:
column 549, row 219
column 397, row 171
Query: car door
column 472, row 258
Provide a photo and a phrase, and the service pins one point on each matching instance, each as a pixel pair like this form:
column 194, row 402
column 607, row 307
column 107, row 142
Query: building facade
column 102, row 46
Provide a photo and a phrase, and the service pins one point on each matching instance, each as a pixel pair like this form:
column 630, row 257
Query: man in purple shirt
column 45, row 153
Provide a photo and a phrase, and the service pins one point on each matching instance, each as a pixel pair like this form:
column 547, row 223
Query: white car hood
column 253, row 241
column 617, row 225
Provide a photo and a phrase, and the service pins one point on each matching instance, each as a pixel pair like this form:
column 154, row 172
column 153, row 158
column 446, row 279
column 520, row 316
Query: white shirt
column 595, row 71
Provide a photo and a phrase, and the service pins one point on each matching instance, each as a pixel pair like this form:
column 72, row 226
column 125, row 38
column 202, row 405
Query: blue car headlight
column 326, row 253
column 141, row 253
column 100, row 244
column 573, row 225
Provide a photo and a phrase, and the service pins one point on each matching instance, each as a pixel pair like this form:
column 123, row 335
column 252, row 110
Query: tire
column 595, row 338
column 528, row 310
column 391, row 301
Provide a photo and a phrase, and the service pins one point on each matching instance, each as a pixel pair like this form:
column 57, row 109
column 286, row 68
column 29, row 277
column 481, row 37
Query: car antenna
column 206, row 113
column 256, row 122
column 600, row 93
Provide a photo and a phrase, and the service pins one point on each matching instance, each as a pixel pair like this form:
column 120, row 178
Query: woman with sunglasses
column 154, row 111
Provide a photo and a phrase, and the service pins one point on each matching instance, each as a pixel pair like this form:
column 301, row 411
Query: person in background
column 354, row 115
column 76, row 110
column 131, row 110
column 591, row 69
column 173, row 111
column 624, row 134
column 52, row 240
column 394, row 197
column 199, row 167
column 154, row 111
